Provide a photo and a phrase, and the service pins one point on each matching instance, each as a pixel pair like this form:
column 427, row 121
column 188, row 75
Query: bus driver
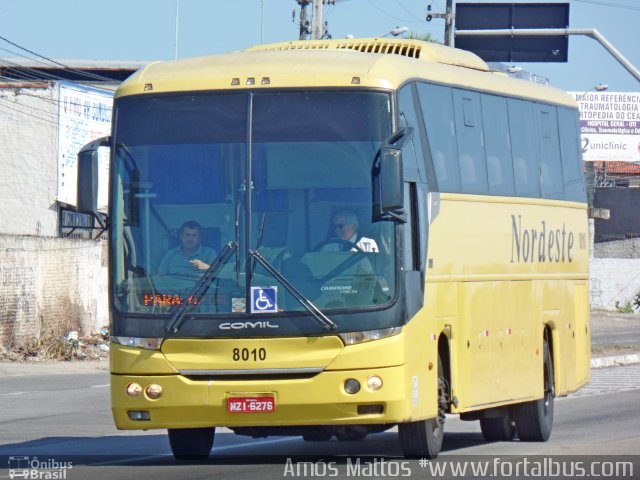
column 189, row 255
column 344, row 225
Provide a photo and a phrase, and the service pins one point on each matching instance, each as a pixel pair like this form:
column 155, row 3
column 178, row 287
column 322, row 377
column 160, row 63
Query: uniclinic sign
column 610, row 125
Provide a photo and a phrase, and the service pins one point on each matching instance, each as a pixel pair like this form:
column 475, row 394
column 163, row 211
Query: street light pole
column 590, row 171
column 556, row 32
column 177, row 23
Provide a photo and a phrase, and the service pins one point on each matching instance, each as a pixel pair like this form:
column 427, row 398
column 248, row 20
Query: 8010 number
column 245, row 355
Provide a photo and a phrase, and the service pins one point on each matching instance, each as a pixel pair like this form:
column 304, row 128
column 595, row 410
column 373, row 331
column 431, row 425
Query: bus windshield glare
column 283, row 174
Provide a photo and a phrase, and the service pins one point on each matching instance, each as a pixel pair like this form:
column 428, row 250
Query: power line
column 54, row 114
column 79, row 72
column 55, row 117
column 30, row 115
column 606, row 4
column 408, row 11
column 28, row 72
column 53, row 122
column 388, row 14
column 52, row 100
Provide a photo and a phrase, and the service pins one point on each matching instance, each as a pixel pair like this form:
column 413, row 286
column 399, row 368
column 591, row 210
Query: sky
column 145, row 30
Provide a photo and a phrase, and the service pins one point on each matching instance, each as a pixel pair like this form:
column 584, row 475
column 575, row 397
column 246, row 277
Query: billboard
column 510, row 48
column 84, row 115
column 610, row 125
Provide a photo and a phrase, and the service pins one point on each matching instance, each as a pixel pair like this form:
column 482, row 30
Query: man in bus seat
column 190, row 256
column 344, row 226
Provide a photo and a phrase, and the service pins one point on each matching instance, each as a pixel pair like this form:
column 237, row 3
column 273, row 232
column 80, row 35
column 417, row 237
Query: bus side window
column 409, row 118
column 495, row 121
column 473, row 167
column 526, row 165
column 571, row 156
column 436, row 103
column 550, row 166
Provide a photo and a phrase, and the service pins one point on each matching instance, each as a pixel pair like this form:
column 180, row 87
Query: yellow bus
column 333, row 238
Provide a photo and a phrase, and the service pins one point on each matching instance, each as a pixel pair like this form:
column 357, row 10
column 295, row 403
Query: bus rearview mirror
column 388, row 195
column 87, row 193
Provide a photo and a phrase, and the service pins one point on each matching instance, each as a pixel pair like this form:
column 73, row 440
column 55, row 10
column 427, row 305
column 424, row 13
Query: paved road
column 53, row 416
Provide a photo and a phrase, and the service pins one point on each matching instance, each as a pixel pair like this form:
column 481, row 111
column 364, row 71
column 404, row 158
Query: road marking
column 247, row 444
column 12, row 393
column 100, row 386
column 115, row 462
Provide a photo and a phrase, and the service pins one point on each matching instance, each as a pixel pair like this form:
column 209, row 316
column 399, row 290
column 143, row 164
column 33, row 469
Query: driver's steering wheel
column 338, row 241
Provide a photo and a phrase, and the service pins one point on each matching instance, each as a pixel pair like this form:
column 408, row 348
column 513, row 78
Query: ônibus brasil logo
column 33, row 468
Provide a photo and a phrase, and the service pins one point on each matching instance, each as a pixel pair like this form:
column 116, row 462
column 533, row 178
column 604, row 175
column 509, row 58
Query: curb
column 615, row 360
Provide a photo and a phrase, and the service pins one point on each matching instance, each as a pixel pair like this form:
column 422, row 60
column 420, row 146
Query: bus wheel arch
column 423, row 438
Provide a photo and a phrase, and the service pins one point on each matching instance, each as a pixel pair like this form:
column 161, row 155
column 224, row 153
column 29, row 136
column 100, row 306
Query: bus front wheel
column 191, row 443
column 423, row 438
column 534, row 420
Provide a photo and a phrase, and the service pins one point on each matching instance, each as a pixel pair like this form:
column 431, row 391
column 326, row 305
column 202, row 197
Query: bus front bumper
column 188, row 402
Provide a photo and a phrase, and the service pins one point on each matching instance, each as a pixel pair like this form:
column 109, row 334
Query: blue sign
column 264, row 299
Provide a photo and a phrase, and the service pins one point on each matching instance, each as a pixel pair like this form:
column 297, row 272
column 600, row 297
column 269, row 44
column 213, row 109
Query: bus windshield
column 283, row 174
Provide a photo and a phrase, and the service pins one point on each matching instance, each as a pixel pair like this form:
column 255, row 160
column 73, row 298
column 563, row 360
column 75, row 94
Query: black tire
column 423, row 438
column 191, row 443
column 534, row 420
column 500, row 429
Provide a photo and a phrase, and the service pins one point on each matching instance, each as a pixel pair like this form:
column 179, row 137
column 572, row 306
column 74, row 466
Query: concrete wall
column 50, row 285
column 618, row 249
column 28, row 159
column 625, row 216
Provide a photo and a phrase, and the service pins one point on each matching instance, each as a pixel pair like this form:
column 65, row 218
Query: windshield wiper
column 201, row 287
column 315, row 312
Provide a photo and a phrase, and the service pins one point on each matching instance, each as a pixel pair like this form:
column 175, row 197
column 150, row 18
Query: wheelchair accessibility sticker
column 264, row 299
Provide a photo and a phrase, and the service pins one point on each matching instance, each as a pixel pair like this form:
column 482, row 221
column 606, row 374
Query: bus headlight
column 136, row 342
column 374, row 383
column 353, row 338
column 134, row 389
column 154, row 391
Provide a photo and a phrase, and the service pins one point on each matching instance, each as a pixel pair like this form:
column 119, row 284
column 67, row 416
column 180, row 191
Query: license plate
column 251, row 404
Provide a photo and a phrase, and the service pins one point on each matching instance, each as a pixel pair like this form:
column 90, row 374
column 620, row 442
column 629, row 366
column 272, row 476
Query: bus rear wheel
column 534, row 420
column 191, row 443
column 423, row 438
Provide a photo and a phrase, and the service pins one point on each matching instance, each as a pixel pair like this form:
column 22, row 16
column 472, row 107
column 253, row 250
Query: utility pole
column 448, row 24
column 448, row 21
column 317, row 26
column 304, row 23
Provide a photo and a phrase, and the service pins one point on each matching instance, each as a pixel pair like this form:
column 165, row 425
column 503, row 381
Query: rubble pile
column 69, row 347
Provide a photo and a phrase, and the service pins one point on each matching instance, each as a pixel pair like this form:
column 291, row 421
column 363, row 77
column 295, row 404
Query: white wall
column 28, row 160
column 614, row 279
